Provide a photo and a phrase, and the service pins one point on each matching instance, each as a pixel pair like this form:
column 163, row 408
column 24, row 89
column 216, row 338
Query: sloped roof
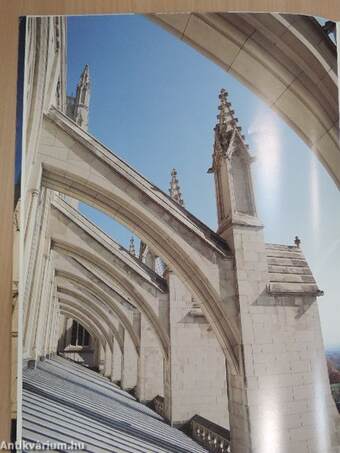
column 65, row 402
column 289, row 273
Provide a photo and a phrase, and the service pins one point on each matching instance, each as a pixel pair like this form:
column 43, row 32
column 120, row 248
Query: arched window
column 79, row 336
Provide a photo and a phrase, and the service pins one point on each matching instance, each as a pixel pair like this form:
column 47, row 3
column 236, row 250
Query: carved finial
column 85, row 75
column 175, row 191
column 132, row 250
column 226, row 119
column 82, row 99
column 222, row 107
column 297, row 242
column 84, row 81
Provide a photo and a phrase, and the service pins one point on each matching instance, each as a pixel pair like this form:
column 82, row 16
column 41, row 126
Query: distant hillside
column 333, row 372
column 333, row 364
column 334, row 356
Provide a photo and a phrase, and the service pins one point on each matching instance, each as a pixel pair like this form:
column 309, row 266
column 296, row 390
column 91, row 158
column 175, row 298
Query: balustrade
column 211, row 436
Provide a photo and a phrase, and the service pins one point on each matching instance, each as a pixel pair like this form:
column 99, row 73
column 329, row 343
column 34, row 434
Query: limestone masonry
column 219, row 324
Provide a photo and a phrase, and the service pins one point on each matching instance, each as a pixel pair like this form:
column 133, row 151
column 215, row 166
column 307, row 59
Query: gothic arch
column 135, row 298
column 102, row 180
column 62, row 289
column 86, row 313
column 288, row 62
column 111, row 301
column 100, row 315
column 68, row 224
column 88, row 324
column 83, row 284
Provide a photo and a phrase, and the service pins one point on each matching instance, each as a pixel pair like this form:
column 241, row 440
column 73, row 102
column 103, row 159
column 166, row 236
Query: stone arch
column 77, row 295
column 136, row 299
column 70, row 306
column 104, row 181
column 85, row 322
column 288, row 62
column 68, row 224
column 92, row 307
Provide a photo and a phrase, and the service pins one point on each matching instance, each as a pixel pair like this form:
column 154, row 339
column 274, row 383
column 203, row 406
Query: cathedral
column 199, row 340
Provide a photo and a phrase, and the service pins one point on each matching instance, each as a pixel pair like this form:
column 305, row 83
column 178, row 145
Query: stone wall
column 130, row 360
column 281, row 400
column 198, row 384
column 150, row 382
column 116, row 374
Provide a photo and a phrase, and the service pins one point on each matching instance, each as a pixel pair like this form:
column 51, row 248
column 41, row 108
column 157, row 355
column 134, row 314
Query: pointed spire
column 175, row 191
column 84, row 77
column 132, row 250
column 226, row 119
column 82, row 99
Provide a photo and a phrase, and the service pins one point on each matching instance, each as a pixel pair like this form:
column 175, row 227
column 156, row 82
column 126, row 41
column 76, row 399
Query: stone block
column 304, row 392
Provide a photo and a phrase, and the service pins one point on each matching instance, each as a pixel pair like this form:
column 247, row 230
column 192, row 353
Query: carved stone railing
column 158, row 405
column 211, row 436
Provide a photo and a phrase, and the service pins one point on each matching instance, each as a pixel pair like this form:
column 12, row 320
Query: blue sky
column 154, row 103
